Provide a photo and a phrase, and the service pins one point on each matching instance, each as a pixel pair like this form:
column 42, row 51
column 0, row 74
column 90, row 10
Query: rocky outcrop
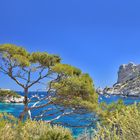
column 128, row 72
column 11, row 99
column 8, row 96
column 128, row 83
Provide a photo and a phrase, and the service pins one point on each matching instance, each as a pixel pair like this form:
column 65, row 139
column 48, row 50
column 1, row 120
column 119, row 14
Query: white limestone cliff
column 128, row 83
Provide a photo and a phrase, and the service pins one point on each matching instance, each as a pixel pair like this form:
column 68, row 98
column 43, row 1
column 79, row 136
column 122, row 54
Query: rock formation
column 12, row 99
column 128, row 72
column 128, row 83
column 8, row 96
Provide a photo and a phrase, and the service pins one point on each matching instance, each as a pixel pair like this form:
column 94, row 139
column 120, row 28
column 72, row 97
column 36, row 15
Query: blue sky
column 94, row 35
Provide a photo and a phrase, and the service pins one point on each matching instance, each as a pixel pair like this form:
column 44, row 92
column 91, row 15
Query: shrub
column 31, row 130
column 120, row 124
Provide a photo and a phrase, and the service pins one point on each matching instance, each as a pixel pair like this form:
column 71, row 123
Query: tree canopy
column 66, row 86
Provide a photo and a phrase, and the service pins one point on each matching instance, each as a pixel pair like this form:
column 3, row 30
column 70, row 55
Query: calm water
column 15, row 109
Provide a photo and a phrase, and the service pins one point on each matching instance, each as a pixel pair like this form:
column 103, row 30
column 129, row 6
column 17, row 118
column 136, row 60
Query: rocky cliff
column 128, row 83
column 128, row 72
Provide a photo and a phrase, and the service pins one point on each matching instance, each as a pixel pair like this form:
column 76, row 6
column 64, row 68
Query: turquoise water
column 73, row 120
column 79, row 120
column 113, row 98
column 16, row 109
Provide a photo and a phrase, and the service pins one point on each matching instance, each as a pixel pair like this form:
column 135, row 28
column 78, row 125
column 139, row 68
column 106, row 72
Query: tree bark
column 26, row 109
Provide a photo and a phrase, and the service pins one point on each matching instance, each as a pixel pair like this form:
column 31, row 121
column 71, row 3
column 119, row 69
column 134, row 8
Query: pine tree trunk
column 26, row 111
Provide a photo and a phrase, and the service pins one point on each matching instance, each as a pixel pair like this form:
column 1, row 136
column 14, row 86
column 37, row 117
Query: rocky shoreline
column 128, row 83
column 7, row 96
column 11, row 99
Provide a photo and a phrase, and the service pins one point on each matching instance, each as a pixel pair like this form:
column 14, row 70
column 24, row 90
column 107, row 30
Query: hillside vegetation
column 9, row 93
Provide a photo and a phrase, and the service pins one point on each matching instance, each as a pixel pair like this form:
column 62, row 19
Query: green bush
column 31, row 130
column 120, row 123
column 9, row 93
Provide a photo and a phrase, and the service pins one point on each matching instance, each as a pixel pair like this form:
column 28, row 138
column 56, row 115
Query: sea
column 79, row 123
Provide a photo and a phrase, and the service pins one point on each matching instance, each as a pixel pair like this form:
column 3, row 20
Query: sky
column 96, row 36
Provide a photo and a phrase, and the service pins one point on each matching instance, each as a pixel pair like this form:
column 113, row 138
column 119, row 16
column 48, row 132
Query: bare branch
column 39, row 78
column 40, row 106
column 3, row 70
column 58, row 117
column 29, row 77
column 42, row 114
column 12, row 77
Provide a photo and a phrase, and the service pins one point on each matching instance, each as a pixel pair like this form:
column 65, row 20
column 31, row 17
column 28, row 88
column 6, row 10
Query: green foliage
column 75, row 91
column 71, row 88
column 20, row 57
column 120, row 123
column 13, row 54
column 31, row 130
column 105, row 111
column 8, row 93
column 66, row 70
column 44, row 59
